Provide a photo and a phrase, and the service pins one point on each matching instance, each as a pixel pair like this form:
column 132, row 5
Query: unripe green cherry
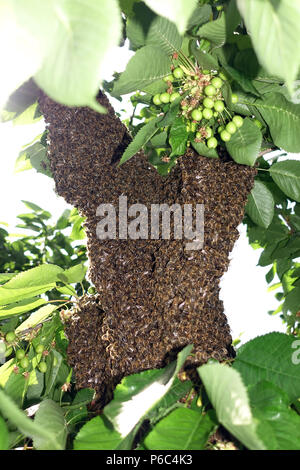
column 196, row 115
column 208, row 103
column 212, row 143
column 220, row 129
column 42, row 367
column 210, row 90
column 198, row 135
column 225, row 136
column 193, row 126
column 217, row 82
column 219, row 106
column 164, row 97
column 156, row 100
column 39, row 349
column 234, row 98
column 231, row 127
column 24, row 363
column 20, row 354
column 222, row 76
column 8, row 352
column 238, row 120
column 10, row 336
column 257, row 123
column 207, row 113
column 169, row 78
column 209, row 132
column 178, row 72
column 174, row 96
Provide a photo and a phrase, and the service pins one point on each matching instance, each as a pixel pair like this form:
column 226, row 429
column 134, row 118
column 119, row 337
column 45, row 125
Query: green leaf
column 203, row 150
column 142, row 137
column 160, row 140
column 67, row 43
column 178, row 136
column 244, row 146
column 38, row 158
column 127, row 6
column 37, row 317
column 50, row 416
column 260, row 205
column 200, row 16
column 15, row 387
column 22, row 163
column 147, row 65
column 78, row 232
column 97, row 434
column 32, row 206
column 283, row 119
column 204, row 59
column 80, row 35
column 5, row 371
column 164, row 34
column 138, row 397
column 6, row 277
column 269, row 357
column 233, row 18
column 182, row 429
column 35, row 385
column 46, row 431
column 178, row 390
column 279, row 425
column 29, row 283
column 67, row 290
column 74, row 274
column 177, row 11
column 4, row 439
column 292, row 301
column 53, row 374
column 274, row 27
column 159, row 86
column 286, row 175
column 138, row 24
column 22, row 99
column 31, row 115
column 214, row 31
column 245, row 83
column 229, row 397
column 85, row 395
column 18, row 308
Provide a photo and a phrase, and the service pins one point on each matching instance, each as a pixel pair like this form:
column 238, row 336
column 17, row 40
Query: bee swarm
column 154, row 297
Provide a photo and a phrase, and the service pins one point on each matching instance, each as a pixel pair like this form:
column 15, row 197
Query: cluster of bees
column 154, row 296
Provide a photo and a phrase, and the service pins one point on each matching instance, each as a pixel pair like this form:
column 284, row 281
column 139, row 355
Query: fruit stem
column 223, row 119
column 226, row 110
column 186, row 61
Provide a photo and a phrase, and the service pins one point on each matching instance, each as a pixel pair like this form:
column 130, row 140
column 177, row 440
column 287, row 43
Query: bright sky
column 244, row 289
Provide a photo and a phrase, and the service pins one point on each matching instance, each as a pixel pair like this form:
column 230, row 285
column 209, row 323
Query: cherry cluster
column 202, row 105
column 22, row 361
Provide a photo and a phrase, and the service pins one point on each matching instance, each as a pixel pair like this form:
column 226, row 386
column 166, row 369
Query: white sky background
column 244, row 289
